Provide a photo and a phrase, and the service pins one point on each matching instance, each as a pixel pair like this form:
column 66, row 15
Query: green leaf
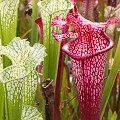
column 1, row 60
column 114, row 116
column 1, row 101
column 111, row 79
column 1, row 90
column 31, row 113
column 35, row 13
column 109, row 114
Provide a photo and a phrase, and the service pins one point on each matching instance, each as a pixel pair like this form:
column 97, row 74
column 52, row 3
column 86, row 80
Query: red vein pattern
column 89, row 75
column 88, row 52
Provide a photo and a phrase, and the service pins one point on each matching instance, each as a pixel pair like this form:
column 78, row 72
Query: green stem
column 34, row 33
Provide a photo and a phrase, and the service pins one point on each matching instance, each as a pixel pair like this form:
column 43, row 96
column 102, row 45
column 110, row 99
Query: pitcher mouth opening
column 82, row 53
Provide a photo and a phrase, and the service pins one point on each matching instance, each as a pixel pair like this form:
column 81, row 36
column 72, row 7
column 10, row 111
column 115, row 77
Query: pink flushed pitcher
column 88, row 52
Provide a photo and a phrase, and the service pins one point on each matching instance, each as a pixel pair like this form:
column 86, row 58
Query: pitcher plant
column 88, row 52
column 49, row 9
